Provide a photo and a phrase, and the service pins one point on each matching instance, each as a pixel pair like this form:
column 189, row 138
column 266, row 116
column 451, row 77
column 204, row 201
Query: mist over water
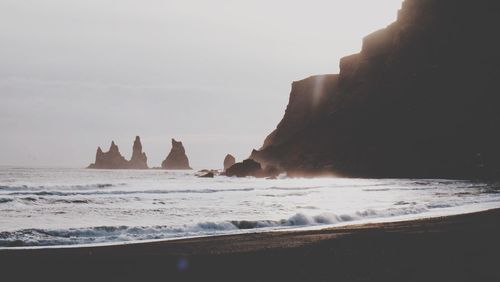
column 41, row 207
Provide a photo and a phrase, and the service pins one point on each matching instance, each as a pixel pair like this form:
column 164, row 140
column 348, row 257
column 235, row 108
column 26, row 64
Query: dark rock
column 139, row 159
column 177, row 158
column 246, row 168
column 229, row 161
column 208, row 175
column 114, row 160
column 109, row 160
column 271, row 172
column 420, row 100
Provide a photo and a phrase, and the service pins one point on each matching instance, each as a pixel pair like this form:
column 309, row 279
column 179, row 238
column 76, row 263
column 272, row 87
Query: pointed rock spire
column 177, row 158
column 139, row 159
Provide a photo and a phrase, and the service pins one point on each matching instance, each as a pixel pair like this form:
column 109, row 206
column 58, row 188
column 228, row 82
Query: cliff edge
column 420, row 100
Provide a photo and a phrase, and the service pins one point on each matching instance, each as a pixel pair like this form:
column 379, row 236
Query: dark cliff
column 177, row 158
column 420, row 100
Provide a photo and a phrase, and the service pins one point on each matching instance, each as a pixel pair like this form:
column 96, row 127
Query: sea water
column 52, row 207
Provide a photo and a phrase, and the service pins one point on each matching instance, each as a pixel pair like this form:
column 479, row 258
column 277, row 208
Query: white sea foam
column 125, row 192
column 47, row 207
column 99, row 234
column 58, row 187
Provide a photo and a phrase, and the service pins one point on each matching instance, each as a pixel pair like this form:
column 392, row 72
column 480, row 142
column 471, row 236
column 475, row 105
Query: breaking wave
column 107, row 234
column 38, row 206
column 5, row 200
column 14, row 188
column 123, row 192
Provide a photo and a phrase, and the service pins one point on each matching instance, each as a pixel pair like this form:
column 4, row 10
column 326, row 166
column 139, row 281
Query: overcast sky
column 76, row 74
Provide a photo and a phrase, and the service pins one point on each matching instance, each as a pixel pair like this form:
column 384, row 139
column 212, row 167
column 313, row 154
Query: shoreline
column 251, row 231
column 450, row 248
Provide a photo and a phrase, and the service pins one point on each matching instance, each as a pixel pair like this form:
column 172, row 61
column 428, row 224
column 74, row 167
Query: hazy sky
column 76, row 74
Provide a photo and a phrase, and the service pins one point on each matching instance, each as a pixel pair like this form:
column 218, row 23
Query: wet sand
column 455, row 248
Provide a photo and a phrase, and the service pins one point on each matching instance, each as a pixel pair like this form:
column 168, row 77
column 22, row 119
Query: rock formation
column 248, row 167
column 111, row 159
column 177, row 158
column 208, row 175
column 229, row 161
column 139, row 159
column 114, row 160
column 420, row 100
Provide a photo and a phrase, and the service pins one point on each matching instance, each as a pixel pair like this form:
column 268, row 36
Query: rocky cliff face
column 177, row 158
column 111, row 159
column 114, row 160
column 139, row 159
column 420, row 100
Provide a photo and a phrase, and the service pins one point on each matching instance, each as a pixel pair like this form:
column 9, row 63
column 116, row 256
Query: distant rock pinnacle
column 177, row 158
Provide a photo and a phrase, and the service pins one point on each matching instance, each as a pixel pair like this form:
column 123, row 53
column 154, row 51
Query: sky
column 216, row 75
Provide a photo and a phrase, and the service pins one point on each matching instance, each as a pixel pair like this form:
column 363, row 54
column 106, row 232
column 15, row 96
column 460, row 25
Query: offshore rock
column 111, row 159
column 114, row 160
column 139, row 159
column 246, row 168
column 177, row 158
column 208, row 175
column 229, row 161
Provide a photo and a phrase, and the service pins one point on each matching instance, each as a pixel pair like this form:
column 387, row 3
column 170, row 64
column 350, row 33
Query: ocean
column 72, row 207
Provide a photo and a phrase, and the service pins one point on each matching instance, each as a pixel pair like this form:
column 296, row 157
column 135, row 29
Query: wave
column 298, row 194
column 30, row 200
column 14, row 188
column 377, row 190
column 294, row 188
column 5, row 200
column 77, row 201
column 123, row 192
column 107, row 234
column 337, row 186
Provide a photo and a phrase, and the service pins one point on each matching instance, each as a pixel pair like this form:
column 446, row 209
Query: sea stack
column 139, row 159
column 114, row 160
column 177, row 158
column 229, row 161
column 111, row 159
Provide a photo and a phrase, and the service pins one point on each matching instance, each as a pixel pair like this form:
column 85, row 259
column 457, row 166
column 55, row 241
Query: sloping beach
column 454, row 248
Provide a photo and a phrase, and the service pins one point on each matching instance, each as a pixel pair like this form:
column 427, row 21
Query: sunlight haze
column 216, row 75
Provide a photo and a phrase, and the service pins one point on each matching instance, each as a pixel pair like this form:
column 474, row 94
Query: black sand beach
column 455, row 248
